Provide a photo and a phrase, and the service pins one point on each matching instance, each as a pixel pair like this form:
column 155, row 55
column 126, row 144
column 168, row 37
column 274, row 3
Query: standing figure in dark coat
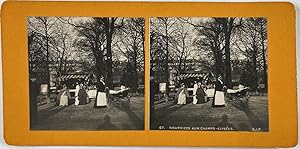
column 101, row 97
column 219, row 99
column 82, row 95
column 200, row 94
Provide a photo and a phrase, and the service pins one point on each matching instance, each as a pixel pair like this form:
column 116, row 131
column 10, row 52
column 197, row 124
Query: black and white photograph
column 209, row 74
column 86, row 73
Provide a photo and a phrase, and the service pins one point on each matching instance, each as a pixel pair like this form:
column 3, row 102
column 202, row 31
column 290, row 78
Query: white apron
column 210, row 92
column 219, row 98
column 63, row 100
column 195, row 100
column 181, row 98
column 101, row 99
column 76, row 95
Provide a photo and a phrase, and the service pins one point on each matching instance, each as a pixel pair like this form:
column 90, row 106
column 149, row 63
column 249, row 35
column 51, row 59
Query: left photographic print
column 86, row 73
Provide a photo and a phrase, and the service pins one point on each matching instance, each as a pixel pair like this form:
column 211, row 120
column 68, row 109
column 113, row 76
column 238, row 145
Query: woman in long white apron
column 219, row 99
column 63, row 99
column 64, row 96
column 77, row 88
column 195, row 100
column 182, row 95
column 101, row 98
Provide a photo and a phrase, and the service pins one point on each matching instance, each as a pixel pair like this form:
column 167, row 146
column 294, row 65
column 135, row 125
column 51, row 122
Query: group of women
column 81, row 96
column 199, row 95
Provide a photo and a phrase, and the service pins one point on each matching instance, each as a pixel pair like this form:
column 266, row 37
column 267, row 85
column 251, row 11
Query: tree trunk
column 99, row 64
column 135, row 73
column 61, row 60
column 228, row 79
column 264, row 57
column 218, row 60
column 143, row 42
column 47, row 60
column 98, row 54
column 109, row 29
column 30, row 42
column 109, row 75
column 180, row 69
column 254, row 61
column 167, row 61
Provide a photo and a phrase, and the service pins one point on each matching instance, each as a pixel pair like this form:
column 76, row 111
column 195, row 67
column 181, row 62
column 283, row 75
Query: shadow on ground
column 162, row 112
column 46, row 113
column 136, row 121
column 253, row 119
column 107, row 124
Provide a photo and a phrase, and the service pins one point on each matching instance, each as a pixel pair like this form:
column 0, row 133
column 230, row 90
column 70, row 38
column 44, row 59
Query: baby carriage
column 238, row 97
column 120, row 98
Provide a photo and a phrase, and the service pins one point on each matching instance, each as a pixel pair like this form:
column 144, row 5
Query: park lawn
column 86, row 117
column 203, row 115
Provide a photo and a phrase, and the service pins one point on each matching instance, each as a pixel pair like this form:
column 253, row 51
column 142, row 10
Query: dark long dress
column 218, row 87
column 100, row 88
column 82, row 96
column 200, row 95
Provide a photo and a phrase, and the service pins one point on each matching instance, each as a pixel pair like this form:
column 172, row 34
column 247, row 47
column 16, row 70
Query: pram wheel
column 121, row 102
column 126, row 102
column 239, row 99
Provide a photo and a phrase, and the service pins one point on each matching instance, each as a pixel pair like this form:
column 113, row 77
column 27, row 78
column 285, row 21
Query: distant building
column 73, row 72
column 192, row 70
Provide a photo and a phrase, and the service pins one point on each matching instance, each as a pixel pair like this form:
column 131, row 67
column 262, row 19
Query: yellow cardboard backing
column 281, row 73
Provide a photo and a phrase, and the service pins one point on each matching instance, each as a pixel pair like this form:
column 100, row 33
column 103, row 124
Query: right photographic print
column 209, row 74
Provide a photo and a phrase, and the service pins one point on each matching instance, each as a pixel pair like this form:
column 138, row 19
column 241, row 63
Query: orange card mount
column 149, row 74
